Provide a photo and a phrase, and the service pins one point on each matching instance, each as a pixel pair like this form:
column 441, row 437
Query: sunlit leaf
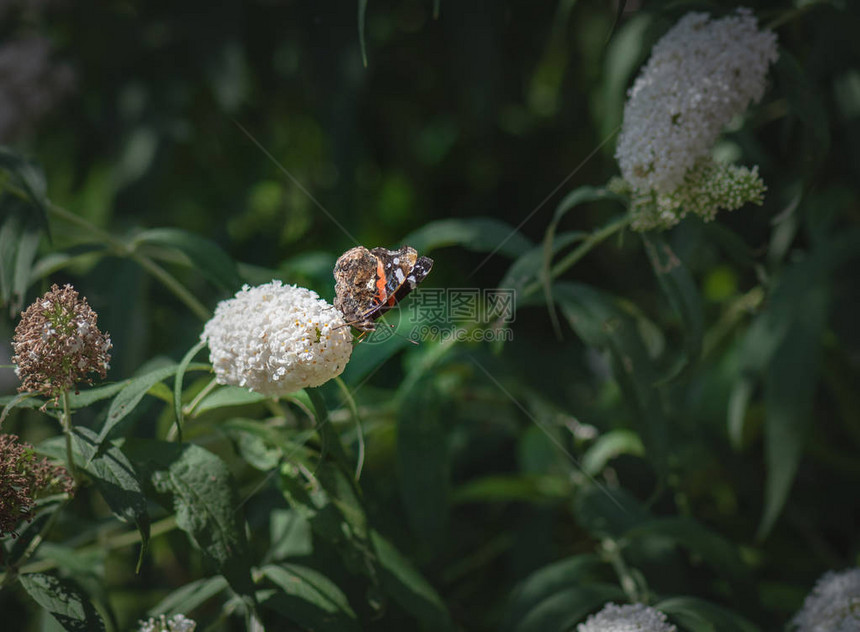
column 227, row 396
column 197, row 486
column 190, row 596
column 129, row 397
column 608, row 446
column 309, row 598
column 66, row 602
column 117, row 481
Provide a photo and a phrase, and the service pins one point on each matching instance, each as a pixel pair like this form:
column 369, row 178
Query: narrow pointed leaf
column 310, row 599
column 405, row 584
column 677, row 284
column 203, row 254
column 117, row 481
column 481, row 234
column 129, row 397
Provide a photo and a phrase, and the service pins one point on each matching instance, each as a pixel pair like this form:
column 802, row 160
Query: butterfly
column 370, row 282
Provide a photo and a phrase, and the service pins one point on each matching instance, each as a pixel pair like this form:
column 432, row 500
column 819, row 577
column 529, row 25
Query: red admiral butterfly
column 370, row 282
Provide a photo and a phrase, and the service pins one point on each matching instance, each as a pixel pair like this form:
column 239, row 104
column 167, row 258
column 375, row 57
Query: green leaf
column 407, row 587
column 423, row 463
column 203, row 254
column 90, row 396
column 547, row 581
column 369, row 355
column 567, row 606
column 177, row 385
column 804, row 103
column 624, row 55
column 362, row 10
column 129, row 397
column 790, row 386
column 53, row 262
column 30, row 179
column 528, row 266
column 227, row 396
column 716, row 551
column 13, row 401
column 290, row 535
column 19, row 239
column 679, row 287
column 480, row 234
column 117, row 481
column 66, row 602
column 309, row 598
column 523, row 488
column 601, row 322
column 739, row 401
column 198, row 487
column 607, row 447
column 608, row 512
column 31, row 530
column 698, row 615
column 190, row 596
column 334, row 511
column 28, row 244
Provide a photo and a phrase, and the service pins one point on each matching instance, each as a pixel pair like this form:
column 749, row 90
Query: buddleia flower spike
column 57, row 344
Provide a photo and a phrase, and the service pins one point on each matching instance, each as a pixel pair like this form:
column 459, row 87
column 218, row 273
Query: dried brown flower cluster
column 57, row 344
column 24, row 477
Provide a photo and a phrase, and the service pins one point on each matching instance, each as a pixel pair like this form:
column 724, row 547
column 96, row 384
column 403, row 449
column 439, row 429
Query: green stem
column 583, row 249
column 110, row 543
column 122, row 249
column 100, row 234
column 172, row 284
column 794, row 14
column 612, row 552
column 329, row 439
column 191, row 406
column 359, row 465
column 66, row 419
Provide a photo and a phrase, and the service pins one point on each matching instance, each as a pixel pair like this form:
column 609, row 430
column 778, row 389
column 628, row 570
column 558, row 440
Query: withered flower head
column 24, row 477
column 57, row 344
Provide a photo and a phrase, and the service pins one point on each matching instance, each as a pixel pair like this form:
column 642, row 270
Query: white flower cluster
column 700, row 75
column 833, row 605
column 629, row 618
column 277, row 339
column 176, row 623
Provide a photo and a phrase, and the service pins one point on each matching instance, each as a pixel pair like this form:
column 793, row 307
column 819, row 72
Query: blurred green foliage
column 690, row 430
